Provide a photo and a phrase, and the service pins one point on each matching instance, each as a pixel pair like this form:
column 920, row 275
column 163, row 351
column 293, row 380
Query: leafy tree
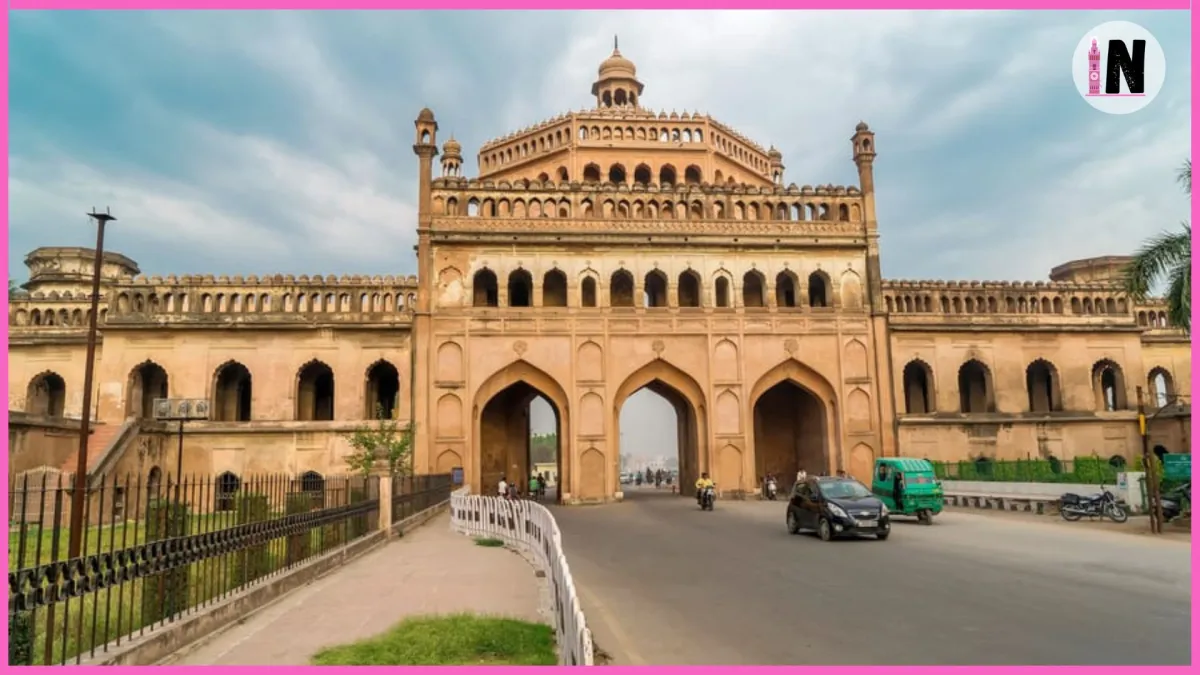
column 1167, row 257
column 13, row 288
column 543, row 448
column 386, row 440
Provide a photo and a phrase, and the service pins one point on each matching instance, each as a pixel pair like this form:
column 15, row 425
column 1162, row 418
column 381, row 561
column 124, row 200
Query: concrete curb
column 165, row 644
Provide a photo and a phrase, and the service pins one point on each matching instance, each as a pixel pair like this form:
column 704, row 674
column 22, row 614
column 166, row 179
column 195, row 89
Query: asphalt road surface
column 663, row 583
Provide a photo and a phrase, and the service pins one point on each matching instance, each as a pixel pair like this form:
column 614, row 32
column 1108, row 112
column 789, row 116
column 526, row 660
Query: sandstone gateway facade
column 596, row 254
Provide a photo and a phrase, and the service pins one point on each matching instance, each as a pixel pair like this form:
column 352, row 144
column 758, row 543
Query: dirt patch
column 1136, row 525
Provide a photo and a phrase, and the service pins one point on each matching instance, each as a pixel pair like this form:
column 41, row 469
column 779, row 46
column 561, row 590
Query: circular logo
column 1119, row 67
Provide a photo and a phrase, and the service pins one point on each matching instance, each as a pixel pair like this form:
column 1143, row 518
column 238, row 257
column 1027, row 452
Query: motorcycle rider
column 701, row 484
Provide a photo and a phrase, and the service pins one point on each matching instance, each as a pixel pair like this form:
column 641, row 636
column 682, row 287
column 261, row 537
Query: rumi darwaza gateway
column 596, row 254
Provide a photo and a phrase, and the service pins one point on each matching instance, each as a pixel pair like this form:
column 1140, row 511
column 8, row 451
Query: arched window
column 642, row 174
column 621, row 289
column 232, row 393
column 153, row 482
column 1041, row 384
column 655, row 292
column 554, row 289
column 818, row 290
column 383, row 391
column 591, row 173
column 314, row 392
column 722, row 291
column 520, row 288
column 975, row 388
column 227, row 486
column 666, row 175
column 918, row 388
column 313, row 485
column 692, row 175
column 785, row 290
column 689, row 289
column 753, row 293
column 1162, row 387
column 485, row 289
column 1108, row 385
column 46, row 395
column 588, row 292
column 616, row 174
column 146, row 383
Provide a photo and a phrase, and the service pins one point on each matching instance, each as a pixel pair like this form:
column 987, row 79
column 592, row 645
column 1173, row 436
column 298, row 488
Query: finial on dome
column 615, row 43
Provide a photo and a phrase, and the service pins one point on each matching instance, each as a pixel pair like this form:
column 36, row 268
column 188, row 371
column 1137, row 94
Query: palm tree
column 1167, row 256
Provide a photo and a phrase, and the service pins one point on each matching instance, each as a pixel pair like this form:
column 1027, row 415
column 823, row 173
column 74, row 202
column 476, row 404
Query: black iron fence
column 155, row 550
column 413, row 494
column 1085, row 470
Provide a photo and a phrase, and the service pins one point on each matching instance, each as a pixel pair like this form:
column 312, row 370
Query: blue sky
column 263, row 142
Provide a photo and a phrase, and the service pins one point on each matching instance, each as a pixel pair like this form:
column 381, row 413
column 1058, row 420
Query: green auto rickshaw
column 908, row 487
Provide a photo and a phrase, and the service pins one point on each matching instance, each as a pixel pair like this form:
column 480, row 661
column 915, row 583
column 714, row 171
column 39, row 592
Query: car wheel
column 882, row 536
column 792, row 525
column 824, row 529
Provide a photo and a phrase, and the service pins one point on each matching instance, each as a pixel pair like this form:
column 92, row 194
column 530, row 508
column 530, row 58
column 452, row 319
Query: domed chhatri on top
column 426, row 115
column 452, row 147
column 617, row 84
column 617, row 65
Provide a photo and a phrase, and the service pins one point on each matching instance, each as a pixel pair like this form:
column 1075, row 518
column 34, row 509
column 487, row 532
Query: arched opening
column 818, row 291
column 666, row 175
column 1108, row 385
column 1162, row 387
column 227, row 486
column 1161, row 452
column 753, row 293
column 485, row 289
column 232, row 393
column 689, row 289
column 792, row 424
column 314, row 393
column 1041, row 383
column 692, row 175
column 383, row 391
column 1117, row 462
column 722, row 292
column 785, row 290
column 554, row 289
column 563, row 176
column 587, row 292
column 642, row 174
column 146, row 383
column 46, row 395
column 918, row 388
column 153, row 482
column 616, row 174
column 620, row 289
column 313, row 485
column 619, row 97
column 655, row 292
column 519, row 432
column 520, row 288
column 647, row 403
column 591, row 173
column 975, row 388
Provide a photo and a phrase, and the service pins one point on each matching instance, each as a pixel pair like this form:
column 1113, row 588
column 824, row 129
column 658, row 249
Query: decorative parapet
column 1005, row 299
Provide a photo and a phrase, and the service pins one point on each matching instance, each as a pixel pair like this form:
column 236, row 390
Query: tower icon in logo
column 1094, row 69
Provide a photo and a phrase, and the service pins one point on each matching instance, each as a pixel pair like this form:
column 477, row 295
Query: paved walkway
column 431, row 570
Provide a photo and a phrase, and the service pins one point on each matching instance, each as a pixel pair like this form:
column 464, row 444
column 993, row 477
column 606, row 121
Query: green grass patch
column 489, row 542
column 452, row 640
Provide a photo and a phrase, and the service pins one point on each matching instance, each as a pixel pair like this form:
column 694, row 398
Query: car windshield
column 844, row 489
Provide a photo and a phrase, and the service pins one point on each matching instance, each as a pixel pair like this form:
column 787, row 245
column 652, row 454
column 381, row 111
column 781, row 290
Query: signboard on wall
column 1177, row 466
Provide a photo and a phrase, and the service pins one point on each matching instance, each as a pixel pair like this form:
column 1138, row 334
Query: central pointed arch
column 686, row 396
column 795, row 414
column 501, row 427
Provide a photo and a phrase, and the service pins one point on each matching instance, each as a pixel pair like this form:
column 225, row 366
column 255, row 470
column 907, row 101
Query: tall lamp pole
column 89, row 366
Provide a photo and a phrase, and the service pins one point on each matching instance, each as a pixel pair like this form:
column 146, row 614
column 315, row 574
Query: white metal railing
column 530, row 528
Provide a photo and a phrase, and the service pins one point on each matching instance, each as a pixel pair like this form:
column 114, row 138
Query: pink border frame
column 614, row 4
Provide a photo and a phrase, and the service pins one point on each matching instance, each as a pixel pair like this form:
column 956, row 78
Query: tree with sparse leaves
column 384, row 440
column 1167, row 257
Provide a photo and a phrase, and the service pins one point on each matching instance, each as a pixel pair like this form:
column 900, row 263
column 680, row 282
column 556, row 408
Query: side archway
column 501, row 438
column 795, row 422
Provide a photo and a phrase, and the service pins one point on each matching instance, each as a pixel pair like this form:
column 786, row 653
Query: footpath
column 1136, row 525
column 430, row 570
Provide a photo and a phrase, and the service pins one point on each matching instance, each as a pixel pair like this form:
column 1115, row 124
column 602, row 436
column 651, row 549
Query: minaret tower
column 452, row 158
column 421, row 344
column 776, row 158
column 1094, row 69
column 863, row 141
column 617, row 86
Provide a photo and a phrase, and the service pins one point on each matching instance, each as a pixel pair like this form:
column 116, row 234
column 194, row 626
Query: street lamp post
column 89, row 365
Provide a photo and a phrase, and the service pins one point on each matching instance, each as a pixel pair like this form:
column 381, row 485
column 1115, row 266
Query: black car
column 836, row 507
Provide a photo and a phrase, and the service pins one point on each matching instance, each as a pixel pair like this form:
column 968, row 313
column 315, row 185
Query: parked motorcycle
column 772, row 489
column 1106, row 505
column 707, row 498
column 1177, row 502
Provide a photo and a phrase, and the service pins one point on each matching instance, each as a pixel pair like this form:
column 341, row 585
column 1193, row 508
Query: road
column 663, row 583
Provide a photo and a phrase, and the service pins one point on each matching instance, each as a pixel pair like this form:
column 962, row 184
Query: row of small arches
column 1042, row 385
column 53, row 317
column 653, row 209
column 1153, row 319
column 907, row 304
column 239, row 303
column 818, row 291
column 226, row 486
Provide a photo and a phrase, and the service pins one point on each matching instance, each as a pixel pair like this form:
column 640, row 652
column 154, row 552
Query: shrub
column 165, row 594
column 254, row 561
